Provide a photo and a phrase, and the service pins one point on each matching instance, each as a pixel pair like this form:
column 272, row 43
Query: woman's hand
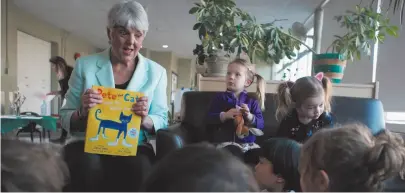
column 90, row 98
column 141, row 107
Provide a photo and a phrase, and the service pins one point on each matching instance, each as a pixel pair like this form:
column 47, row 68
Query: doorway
column 33, row 71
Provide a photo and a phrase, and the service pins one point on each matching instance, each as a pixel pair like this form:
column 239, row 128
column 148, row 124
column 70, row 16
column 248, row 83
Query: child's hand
column 246, row 112
column 245, row 109
column 231, row 114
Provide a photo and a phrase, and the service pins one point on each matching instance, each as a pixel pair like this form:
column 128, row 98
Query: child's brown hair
column 30, row 167
column 251, row 74
column 353, row 159
column 394, row 138
column 293, row 94
column 200, row 168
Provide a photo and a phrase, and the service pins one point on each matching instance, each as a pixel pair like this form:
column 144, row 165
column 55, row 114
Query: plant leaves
column 358, row 54
column 201, row 32
column 391, row 32
column 233, row 42
column 197, row 26
column 338, row 18
column 193, row 10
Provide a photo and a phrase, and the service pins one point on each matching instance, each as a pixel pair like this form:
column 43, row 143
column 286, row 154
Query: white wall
column 391, row 57
column 391, row 70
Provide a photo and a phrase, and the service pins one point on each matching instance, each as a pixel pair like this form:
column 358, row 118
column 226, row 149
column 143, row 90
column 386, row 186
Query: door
column 33, row 71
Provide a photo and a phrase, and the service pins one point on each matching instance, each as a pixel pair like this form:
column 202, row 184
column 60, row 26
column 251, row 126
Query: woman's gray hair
column 129, row 14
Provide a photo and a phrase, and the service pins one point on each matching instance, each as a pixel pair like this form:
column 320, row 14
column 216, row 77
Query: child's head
column 277, row 169
column 392, row 138
column 348, row 159
column 200, row 168
column 29, row 167
column 240, row 75
column 310, row 96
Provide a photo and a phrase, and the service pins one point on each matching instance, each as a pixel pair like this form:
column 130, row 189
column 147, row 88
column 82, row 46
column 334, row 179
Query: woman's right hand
column 90, row 98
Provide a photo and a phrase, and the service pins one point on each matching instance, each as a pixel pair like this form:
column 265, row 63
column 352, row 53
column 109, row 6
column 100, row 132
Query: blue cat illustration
column 109, row 124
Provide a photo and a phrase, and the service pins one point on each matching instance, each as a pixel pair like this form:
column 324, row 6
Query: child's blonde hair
column 251, row 74
column 293, row 94
column 354, row 160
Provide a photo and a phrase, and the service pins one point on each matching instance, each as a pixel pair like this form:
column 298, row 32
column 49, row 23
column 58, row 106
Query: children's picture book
column 112, row 127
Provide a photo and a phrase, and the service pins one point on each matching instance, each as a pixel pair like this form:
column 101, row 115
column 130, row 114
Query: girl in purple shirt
column 233, row 102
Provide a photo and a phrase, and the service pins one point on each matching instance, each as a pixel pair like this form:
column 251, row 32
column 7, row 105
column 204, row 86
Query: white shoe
column 113, row 143
column 94, row 138
column 124, row 143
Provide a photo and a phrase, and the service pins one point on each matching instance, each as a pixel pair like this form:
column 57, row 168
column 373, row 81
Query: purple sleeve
column 215, row 109
column 257, row 112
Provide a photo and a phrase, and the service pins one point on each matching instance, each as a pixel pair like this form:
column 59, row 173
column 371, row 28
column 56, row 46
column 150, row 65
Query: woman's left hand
column 141, row 107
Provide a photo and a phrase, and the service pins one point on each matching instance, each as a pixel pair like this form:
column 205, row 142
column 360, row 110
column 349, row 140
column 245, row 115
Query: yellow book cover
column 112, row 128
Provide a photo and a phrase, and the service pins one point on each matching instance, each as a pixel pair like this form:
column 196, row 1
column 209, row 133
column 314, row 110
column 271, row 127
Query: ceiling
column 170, row 23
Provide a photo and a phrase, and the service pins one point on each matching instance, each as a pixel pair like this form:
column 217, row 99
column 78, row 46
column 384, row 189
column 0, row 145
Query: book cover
column 112, row 128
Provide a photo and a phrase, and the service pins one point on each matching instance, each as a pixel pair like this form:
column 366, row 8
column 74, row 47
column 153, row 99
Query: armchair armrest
column 168, row 140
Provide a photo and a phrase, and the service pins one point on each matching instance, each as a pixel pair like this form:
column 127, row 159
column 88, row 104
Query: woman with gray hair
column 120, row 66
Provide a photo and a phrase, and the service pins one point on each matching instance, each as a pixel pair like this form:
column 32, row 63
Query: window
column 297, row 67
column 395, row 117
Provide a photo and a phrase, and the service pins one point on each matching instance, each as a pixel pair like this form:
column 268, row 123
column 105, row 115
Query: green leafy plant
column 395, row 5
column 223, row 26
column 365, row 27
column 199, row 51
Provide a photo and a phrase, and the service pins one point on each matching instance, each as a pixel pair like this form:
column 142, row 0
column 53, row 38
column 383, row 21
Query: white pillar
column 375, row 47
column 318, row 25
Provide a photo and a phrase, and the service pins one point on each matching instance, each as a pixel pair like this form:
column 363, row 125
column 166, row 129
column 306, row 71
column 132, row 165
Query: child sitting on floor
column 277, row 169
column 349, row 159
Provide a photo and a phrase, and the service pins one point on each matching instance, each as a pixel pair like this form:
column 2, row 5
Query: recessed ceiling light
column 165, row 46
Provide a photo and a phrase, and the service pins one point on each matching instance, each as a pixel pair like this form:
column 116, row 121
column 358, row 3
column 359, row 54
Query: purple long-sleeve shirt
column 227, row 100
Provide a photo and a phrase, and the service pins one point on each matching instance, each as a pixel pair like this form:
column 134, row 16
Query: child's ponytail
column 327, row 87
column 385, row 160
column 284, row 99
column 261, row 90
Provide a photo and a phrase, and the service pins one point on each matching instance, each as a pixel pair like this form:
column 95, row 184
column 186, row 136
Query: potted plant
column 222, row 36
column 364, row 28
column 211, row 14
column 395, row 5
